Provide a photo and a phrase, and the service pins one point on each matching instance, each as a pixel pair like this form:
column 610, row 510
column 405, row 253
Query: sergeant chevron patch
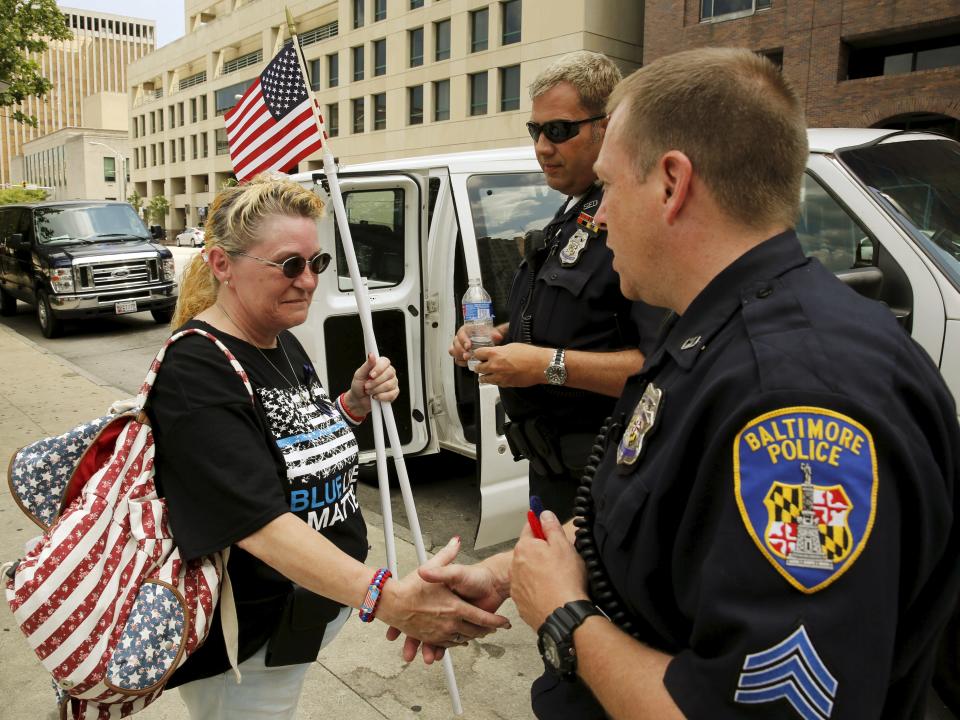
column 793, row 671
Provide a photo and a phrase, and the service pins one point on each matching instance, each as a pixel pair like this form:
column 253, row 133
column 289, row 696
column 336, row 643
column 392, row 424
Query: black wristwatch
column 555, row 636
column 556, row 372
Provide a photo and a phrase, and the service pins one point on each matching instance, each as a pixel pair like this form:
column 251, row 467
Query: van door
column 387, row 218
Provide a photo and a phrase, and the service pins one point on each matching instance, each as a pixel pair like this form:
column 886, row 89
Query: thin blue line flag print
column 793, row 671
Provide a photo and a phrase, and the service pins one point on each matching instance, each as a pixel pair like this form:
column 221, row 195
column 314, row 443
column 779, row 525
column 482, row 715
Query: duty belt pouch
column 299, row 633
column 545, row 444
column 520, row 448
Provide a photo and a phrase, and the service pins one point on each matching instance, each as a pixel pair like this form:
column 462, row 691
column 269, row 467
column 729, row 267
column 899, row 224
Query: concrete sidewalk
column 360, row 676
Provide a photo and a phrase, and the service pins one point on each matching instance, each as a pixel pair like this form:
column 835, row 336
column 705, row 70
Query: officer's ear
column 674, row 173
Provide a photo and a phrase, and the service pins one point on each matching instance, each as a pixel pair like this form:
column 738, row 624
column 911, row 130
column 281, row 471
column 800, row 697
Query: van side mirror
column 17, row 242
column 157, row 232
column 864, row 255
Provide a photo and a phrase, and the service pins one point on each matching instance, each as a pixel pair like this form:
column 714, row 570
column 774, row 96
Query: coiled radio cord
column 602, row 592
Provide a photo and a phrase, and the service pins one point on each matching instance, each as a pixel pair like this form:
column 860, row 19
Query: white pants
column 264, row 692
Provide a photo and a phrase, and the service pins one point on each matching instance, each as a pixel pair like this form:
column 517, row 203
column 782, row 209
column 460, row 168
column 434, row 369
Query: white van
column 880, row 208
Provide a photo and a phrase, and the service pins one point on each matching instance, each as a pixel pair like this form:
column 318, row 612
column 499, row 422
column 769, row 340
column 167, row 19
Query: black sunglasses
column 294, row 265
column 558, row 131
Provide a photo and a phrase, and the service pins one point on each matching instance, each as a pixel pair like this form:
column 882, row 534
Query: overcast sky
column 168, row 14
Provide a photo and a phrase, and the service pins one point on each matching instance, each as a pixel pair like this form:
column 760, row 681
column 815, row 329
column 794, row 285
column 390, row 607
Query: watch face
column 551, row 654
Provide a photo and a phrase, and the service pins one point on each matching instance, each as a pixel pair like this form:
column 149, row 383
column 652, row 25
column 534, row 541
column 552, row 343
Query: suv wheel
column 8, row 303
column 163, row 317
column 50, row 325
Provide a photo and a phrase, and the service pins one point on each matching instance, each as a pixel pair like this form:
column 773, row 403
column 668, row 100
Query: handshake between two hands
column 450, row 604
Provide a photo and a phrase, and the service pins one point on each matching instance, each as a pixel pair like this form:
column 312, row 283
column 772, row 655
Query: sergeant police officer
column 572, row 338
column 772, row 524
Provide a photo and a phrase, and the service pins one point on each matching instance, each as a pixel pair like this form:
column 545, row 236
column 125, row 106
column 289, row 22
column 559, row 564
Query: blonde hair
column 592, row 75
column 234, row 222
column 732, row 113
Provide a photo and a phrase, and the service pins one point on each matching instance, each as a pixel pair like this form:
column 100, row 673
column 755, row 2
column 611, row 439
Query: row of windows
column 712, row 10
column 199, row 148
column 379, row 10
column 120, row 27
column 46, row 168
column 175, row 113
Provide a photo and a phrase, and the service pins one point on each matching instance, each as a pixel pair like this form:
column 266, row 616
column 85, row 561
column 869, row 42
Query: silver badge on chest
column 641, row 423
column 575, row 245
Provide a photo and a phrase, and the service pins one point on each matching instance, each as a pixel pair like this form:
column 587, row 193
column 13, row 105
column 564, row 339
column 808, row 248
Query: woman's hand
column 430, row 613
column 374, row 379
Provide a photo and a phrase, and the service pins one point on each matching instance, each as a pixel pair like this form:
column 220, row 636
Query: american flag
column 273, row 125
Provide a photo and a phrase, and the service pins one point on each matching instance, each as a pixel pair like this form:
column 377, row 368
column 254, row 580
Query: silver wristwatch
column 556, row 372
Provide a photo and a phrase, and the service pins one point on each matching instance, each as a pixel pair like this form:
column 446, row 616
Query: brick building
column 858, row 63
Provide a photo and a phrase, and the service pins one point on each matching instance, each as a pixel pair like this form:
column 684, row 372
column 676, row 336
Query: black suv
column 81, row 259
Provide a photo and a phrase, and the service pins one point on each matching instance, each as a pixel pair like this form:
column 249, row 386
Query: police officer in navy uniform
column 771, row 528
column 572, row 338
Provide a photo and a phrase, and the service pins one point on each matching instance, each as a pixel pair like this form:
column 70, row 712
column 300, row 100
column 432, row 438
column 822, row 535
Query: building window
column 479, row 29
column 183, row 149
column 379, row 10
column 160, row 148
column 223, row 147
column 415, row 102
column 109, row 169
column 358, row 13
column 892, row 56
column 203, row 145
column 414, row 4
column 333, row 119
column 441, row 35
column 180, row 114
column 314, row 72
column 136, row 128
column 380, row 111
column 775, row 56
column 226, row 98
column 357, row 53
column 357, row 115
column 193, row 110
column 203, row 107
column 478, row 93
column 713, row 10
column 441, row 100
column 416, row 47
column 172, row 117
column 333, row 70
column 380, row 57
column 511, row 22
column 510, row 88
column 173, row 151
column 193, row 147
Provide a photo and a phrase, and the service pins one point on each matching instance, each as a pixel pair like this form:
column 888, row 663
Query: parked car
column 879, row 208
column 191, row 236
column 82, row 259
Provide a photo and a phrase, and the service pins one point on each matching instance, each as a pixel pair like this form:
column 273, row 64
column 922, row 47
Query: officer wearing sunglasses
column 572, row 338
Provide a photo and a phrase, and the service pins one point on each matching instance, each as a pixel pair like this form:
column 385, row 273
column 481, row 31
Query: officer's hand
column 513, row 364
column 459, row 349
column 546, row 574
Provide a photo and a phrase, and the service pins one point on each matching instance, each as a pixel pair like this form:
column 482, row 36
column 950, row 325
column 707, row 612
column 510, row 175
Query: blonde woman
column 275, row 481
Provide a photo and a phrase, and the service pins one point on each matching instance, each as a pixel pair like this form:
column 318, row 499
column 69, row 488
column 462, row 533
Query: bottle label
column 477, row 311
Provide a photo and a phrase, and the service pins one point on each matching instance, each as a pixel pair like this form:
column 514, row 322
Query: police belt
column 539, row 441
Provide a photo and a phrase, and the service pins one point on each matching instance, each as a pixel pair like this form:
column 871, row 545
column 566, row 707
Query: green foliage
column 8, row 196
column 27, row 26
column 157, row 209
column 135, row 200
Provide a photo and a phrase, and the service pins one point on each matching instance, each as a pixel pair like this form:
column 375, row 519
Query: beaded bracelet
column 355, row 419
column 368, row 608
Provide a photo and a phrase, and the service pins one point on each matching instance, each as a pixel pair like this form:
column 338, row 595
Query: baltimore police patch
column 805, row 480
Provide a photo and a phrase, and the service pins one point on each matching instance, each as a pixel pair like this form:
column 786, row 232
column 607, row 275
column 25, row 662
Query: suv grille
column 118, row 274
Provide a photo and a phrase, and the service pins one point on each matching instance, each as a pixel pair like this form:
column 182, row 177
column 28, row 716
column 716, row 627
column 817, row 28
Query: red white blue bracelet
column 368, row 608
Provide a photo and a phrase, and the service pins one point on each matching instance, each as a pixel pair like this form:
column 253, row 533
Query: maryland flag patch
column 805, row 480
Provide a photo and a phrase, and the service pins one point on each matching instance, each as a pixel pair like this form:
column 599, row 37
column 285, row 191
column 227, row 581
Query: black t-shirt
column 786, row 526
column 566, row 294
column 227, row 467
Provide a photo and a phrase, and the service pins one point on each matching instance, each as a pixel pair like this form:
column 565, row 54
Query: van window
column 828, row 233
column 87, row 222
column 377, row 229
column 504, row 207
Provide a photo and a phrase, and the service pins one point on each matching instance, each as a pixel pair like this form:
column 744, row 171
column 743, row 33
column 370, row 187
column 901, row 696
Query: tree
column 8, row 196
column 157, row 209
column 27, row 26
column 135, row 200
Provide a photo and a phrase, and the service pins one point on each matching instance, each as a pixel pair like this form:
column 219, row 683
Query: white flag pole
column 381, row 412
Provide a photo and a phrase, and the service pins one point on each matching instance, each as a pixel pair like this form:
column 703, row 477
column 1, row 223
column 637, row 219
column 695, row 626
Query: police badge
column 570, row 254
column 643, row 419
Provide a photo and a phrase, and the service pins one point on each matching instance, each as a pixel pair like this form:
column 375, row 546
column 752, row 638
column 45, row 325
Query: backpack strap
column 228, row 609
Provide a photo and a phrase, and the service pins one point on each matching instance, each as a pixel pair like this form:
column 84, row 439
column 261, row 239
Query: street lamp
column 122, row 182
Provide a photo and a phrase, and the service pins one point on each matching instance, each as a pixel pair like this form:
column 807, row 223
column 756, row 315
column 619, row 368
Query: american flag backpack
column 103, row 596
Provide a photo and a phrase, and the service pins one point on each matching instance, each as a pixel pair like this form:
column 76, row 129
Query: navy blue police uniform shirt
column 785, row 527
column 576, row 306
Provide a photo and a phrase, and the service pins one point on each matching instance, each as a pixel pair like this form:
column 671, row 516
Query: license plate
column 125, row 306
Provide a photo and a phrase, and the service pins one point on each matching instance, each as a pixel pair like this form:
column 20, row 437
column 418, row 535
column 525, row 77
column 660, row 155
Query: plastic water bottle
column 477, row 318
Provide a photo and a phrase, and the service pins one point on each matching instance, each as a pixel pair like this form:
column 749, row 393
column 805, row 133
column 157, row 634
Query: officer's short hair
column 592, row 75
column 734, row 115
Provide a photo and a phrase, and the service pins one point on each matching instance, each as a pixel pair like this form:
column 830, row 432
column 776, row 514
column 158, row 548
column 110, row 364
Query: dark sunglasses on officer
column 558, row 131
column 294, row 265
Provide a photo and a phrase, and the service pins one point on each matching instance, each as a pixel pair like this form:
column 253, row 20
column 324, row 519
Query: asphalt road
column 118, row 351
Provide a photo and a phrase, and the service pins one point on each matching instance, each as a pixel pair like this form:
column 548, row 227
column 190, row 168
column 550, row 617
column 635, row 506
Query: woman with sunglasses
column 275, row 480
